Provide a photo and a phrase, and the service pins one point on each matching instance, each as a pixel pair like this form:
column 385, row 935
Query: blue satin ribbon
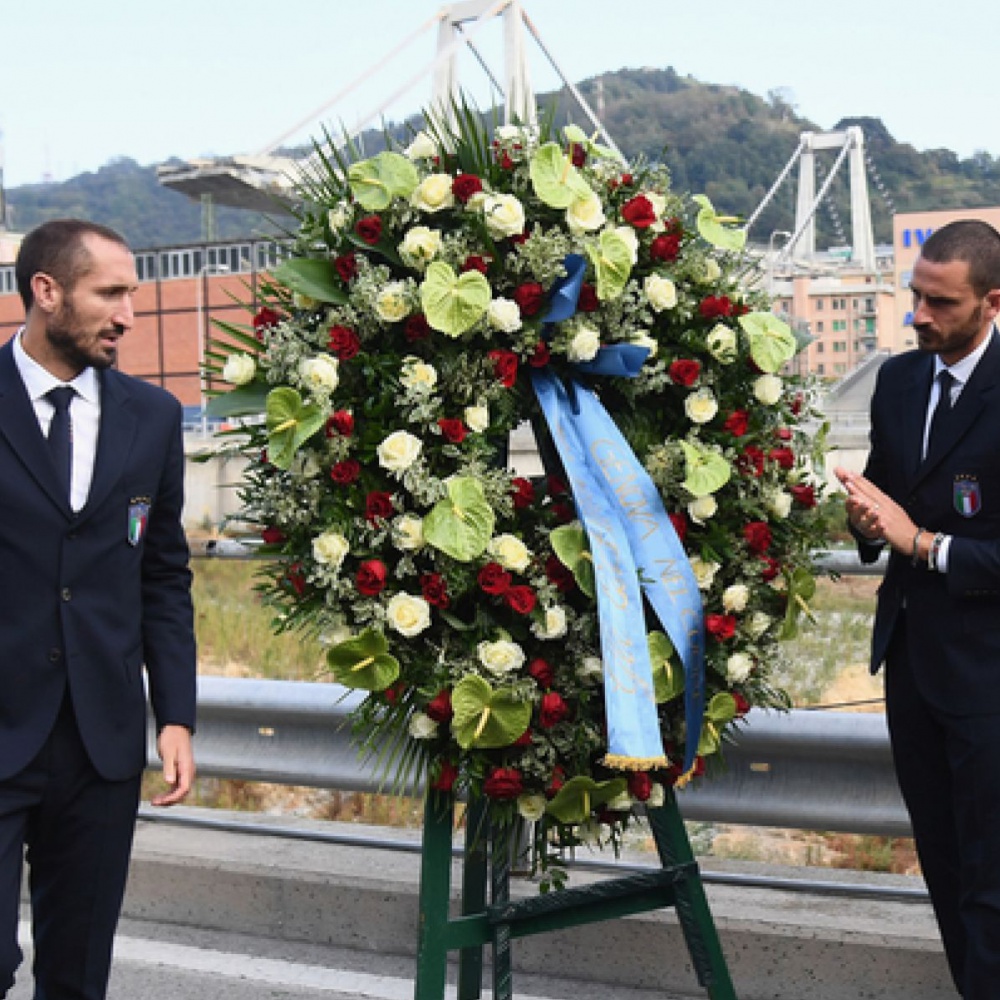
column 632, row 542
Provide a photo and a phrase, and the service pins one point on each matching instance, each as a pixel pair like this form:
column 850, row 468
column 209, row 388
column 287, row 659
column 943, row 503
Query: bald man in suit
column 95, row 592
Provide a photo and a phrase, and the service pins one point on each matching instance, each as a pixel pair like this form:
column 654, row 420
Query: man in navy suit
column 94, row 586
column 931, row 491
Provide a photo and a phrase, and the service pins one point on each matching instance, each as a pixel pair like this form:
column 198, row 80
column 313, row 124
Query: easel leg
column 435, row 893
column 470, row 960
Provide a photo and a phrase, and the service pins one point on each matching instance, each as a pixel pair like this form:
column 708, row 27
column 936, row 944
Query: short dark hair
column 976, row 243
column 56, row 248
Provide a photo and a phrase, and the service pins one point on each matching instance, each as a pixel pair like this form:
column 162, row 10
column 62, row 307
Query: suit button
column 67, row 594
column 55, row 654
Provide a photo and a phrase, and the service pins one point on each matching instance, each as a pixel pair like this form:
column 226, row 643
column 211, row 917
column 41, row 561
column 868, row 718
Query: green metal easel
column 677, row 884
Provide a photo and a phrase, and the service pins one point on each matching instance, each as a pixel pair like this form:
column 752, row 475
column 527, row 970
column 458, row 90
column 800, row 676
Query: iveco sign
column 915, row 237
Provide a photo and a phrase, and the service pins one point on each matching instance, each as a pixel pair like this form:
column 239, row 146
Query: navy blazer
column 86, row 603
column 952, row 619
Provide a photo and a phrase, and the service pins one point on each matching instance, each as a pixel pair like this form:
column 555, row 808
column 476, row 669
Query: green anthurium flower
column 453, row 302
column 575, row 801
column 364, row 662
column 290, row 423
column 486, row 718
column 705, row 471
column 375, row 182
column 576, row 135
column 612, row 261
column 316, row 279
column 555, row 180
column 243, row 401
column 462, row 523
column 801, row 589
column 709, row 741
column 569, row 543
column 668, row 676
column 721, row 709
column 713, row 230
column 772, row 342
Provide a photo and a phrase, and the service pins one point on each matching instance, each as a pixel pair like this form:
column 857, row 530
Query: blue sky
column 86, row 82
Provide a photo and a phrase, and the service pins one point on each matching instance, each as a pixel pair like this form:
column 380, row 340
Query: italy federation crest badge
column 966, row 496
column 138, row 518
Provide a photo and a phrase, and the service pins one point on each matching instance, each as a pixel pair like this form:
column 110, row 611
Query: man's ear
column 48, row 293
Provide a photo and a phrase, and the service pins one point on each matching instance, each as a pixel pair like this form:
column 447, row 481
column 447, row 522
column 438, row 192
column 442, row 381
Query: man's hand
column 875, row 514
column 175, row 750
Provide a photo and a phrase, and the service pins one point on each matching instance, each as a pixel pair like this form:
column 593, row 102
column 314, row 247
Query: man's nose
column 125, row 314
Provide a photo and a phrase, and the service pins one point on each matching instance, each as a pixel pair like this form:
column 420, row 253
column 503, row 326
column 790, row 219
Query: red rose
column 523, row 492
column 639, row 212
column 640, row 785
column 804, row 495
column 783, row 434
column 475, row 263
column 680, row 523
column 393, row 693
column 557, row 486
column 434, row 590
column 588, row 301
column 542, row 672
column 737, row 422
column 742, row 705
column 665, row 248
column 272, row 536
column 446, row 777
column 552, row 709
column 378, row 506
column 346, row 265
column 506, row 163
column 751, row 462
column 524, row 740
column 439, row 707
column 494, row 579
column 340, row 422
column 684, row 371
column 797, row 403
column 370, row 578
column 556, row 782
column 563, row 512
column 530, row 297
column 714, row 306
column 520, row 599
column 540, row 356
column 416, row 328
column 559, row 576
column 503, row 783
column 785, row 457
column 452, row 430
column 505, row 365
column 720, row 627
column 266, row 317
column 369, row 229
column 345, row 472
column 343, row 343
column 577, row 154
column 758, row 536
column 464, row 186
column 771, row 568
column 296, row 578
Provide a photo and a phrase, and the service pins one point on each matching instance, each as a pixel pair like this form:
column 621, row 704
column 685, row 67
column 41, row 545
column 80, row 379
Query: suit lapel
column 912, row 404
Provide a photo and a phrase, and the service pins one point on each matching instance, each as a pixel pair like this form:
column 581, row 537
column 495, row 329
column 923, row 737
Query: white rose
column 591, row 668
column 239, row 369
column 553, row 624
column 408, row 533
column 702, row 509
column 500, row 657
column 738, row 667
column 433, row 193
column 399, row 451
column 661, row 292
column 758, row 624
column 735, row 598
column 423, row 147
column 657, row 796
column 420, row 246
column 531, row 807
column 507, row 133
column 339, row 217
column 392, row 302
column 767, row 389
column 658, row 201
column 321, row 372
column 621, row 803
column 477, row 418
column 585, row 344
column 645, row 340
column 704, row 572
column 701, row 406
column 417, row 374
column 510, row 552
column 408, row 615
column 504, row 215
column 779, row 503
column 329, row 549
column 721, row 343
column 504, row 315
column 710, row 272
column 585, row 214
column 422, row 726
column 631, row 240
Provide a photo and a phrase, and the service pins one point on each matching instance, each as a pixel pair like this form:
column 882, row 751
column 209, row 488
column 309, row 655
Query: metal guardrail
column 810, row 770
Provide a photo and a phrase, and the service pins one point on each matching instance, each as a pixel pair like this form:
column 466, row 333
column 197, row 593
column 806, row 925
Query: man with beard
column 931, row 491
column 94, row 585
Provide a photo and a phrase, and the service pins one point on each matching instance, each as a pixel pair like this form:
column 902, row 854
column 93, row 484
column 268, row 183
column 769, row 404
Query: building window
column 819, row 305
column 839, row 346
column 7, row 281
column 821, row 369
column 819, row 347
column 819, row 327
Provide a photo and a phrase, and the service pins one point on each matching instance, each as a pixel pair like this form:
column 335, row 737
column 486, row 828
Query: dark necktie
column 943, row 409
column 60, row 434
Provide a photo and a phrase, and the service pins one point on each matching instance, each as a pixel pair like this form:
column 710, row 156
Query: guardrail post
column 676, row 884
